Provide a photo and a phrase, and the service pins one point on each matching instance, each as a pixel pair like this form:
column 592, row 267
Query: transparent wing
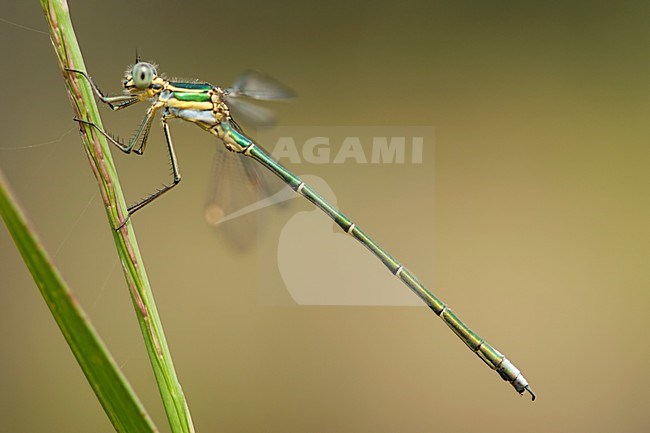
column 239, row 190
column 248, row 112
column 257, row 85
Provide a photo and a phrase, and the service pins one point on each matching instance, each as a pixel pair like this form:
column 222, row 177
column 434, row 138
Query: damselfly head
column 141, row 77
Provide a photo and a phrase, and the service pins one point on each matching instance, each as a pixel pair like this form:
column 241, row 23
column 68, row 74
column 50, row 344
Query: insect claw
column 123, row 223
column 530, row 391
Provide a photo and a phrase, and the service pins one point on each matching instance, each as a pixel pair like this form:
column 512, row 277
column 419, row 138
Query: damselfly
column 209, row 107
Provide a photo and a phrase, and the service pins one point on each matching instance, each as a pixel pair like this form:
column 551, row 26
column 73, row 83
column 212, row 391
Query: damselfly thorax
column 200, row 103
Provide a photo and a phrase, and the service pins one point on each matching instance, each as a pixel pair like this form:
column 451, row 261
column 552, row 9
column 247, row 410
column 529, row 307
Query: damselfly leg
column 116, row 102
column 127, row 149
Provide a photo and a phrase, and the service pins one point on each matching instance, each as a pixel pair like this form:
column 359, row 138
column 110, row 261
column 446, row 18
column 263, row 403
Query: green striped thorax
column 203, row 96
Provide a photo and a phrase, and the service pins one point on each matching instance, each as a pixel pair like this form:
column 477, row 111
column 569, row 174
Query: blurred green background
column 537, row 200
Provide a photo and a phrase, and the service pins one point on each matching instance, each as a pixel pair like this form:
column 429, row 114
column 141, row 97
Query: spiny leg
column 127, row 149
column 141, row 133
column 176, row 173
column 143, row 130
column 116, row 102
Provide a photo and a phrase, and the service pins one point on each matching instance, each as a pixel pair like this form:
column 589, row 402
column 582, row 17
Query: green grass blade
column 69, row 55
column 111, row 388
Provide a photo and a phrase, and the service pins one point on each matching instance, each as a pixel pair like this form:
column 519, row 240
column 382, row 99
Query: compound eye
column 143, row 74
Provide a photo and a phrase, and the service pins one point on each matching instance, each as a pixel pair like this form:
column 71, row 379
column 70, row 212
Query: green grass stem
column 84, row 106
